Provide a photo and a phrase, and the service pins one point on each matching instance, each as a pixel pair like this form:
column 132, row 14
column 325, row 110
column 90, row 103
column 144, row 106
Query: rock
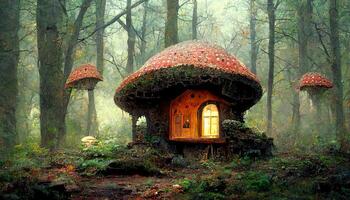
column 177, row 188
column 72, row 188
column 179, row 161
column 246, row 142
column 334, row 182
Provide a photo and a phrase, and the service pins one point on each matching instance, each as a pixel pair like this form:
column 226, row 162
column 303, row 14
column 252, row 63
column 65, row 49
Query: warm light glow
column 210, row 121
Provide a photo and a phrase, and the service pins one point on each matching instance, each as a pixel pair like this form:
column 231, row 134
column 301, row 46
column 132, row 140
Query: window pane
column 210, row 121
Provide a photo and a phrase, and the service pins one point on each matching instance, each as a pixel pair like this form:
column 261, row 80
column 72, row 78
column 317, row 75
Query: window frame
column 200, row 119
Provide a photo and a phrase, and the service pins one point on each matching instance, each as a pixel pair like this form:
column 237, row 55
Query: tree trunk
column 271, row 55
column 292, row 75
column 134, row 119
column 131, row 39
column 9, row 55
column 253, row 44
column 336, row 70
column 73, row 39
column 91, row 124
column 194, row 20
column 69, row 61
column 100, row 13
column 50, row 54
column 53, row 98
column 171, row 35
column 304, row 24
column 143, row 34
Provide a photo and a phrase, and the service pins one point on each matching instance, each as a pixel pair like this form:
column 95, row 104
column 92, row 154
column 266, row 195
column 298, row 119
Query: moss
column 234, row 124
column 183, row 77
column 207, row 189
column 130, row 167
column 240, row 163
column 109, row 158
column 256, row 181
column 245, row 141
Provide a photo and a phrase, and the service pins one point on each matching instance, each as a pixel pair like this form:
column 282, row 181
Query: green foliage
column 18, row 179
column 186, row 184
column 149, row 182
column 24, row 158
column 152, row 139
column 240, row 163
column 109, row 157
column 256, row 181
column 249, row 182
column 98, row 156
column 209, row 164
column 94, row 165
column 103, row 148
column 234, row 124
column 207, row 189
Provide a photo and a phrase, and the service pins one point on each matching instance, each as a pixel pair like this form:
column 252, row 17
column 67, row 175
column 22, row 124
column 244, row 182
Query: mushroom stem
column 318, row 122
column 134, row 121
column 91, row 109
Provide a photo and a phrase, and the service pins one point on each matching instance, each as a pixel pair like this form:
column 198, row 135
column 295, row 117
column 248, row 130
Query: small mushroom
column 84, row 77
column 88, row 141
column 315, row 84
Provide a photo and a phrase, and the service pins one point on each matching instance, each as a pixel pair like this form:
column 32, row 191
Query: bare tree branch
column 113, row 20
column 126, row 28
column 322, row 42
column 116, row 65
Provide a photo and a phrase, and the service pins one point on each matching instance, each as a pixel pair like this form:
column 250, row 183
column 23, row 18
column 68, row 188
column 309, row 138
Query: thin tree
column 271, row 54
column 92, row 126
column 100, row 20
column 194, row 20
column 336, row 70
column 131, row 39
column 9, row 56
column 253, row 42
column 143, row 34
column 171, row 28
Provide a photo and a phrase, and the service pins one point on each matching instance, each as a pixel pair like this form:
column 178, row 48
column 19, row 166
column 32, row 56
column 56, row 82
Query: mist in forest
column 237, row 26
column 299, row 51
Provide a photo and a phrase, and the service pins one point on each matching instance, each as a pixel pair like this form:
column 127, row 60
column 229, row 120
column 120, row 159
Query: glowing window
column 210, row 121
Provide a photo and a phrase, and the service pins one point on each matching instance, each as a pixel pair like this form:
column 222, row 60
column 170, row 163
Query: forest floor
column 114, row 172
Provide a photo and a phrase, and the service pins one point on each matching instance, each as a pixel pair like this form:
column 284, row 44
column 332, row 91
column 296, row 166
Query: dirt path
column 125, row 187
column 130, row 187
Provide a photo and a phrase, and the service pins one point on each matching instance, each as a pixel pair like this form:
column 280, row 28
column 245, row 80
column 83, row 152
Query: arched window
column 210, row 121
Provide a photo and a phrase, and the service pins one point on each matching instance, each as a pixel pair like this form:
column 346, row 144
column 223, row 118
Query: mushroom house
column 186, row 92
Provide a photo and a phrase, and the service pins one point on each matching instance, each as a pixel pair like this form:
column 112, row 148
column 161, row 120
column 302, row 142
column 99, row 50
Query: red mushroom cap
column 86, row 71
column 314, row 80
column 195, row 53
column 189, row 64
